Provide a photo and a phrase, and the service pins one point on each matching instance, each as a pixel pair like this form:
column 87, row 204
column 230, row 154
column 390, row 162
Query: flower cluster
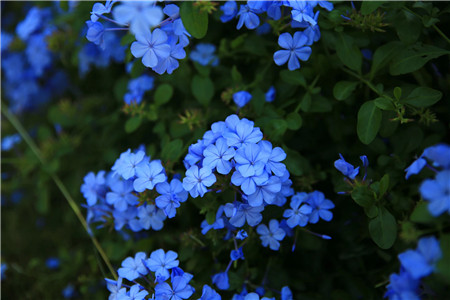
column 203, row 54
column 159, row 42
column 30, row 76
column 435, row 191
column 301, row 15
column 415, row 265
column 135, row 194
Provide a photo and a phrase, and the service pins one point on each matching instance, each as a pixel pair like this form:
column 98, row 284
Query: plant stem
column 26, row 137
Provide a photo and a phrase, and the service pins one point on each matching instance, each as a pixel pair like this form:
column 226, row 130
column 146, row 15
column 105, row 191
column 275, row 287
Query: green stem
column 26, row 137
column 434, row 26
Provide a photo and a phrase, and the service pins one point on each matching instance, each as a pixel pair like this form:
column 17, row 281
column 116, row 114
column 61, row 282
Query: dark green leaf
column 163, row 94
column 132, row 124
column 293, row 77
column 306, row 102
column 397, row 93
column 127, row 39
column 421, row 214
column 343, row 89
column 369, row 121
column 383, row 229
column 202, row 89
column 384, row 103
column 296, row 164
column 413, row 58
column 258, row 101
column 384, row 185
column 408, row 27
column 443, row 265
column 422, row 97
column 363, row 196
column 348, row 52
column 368, row 7
column 236, row 75
column 383, row 55
column 294, row 121
column 371, row 211
column 172, row 150
column 194, row 20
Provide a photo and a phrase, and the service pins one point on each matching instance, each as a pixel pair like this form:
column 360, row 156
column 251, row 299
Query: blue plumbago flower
column 34, row 21
column 251, row 160
column 254, row 296
column 218, row 155
column 121, row 195
column 52, row 263
column 197, row 180
column 276, row 155
column 402, row 286
column 320, row 207
column 237, row 254
column 271, row 236
column 148, row 175
column 439, row 154
column 302, row 12
column 39, row 57
column 161, row 262
column 94, row 187
column 295, row 50
column 241, row 234
column 137, row 293
column 346, row 168
column 9, row 141
column 241, row 132
column 195, row 154
column 69, row 291
column 298, row 215
column 270, row 94
column 421, row 262
column 209, row 294
column 211, row 136
column 114, row 287
column 286, row 293
column 274, row 9
column 127, row 217
column 95, row 33
column 6, row 39
column 137, row 87
column 180, row 289
column 229, row 11
column 249, row 184
column 203, row 53
column 140, row 15
column 179, row 272
column 241, row 98
column 3, row 268
column 437, row 192
column 415, row 167
column 265, row 192
column 133, row 268
column 171, row 196
column 221, row 280
column 218, row 223
column 248, row 17
column 151, row 217
column 239, row 213
column 127, row 162
column 99, row 9
column 151, row 46
column 170, row 63
column 313, row 31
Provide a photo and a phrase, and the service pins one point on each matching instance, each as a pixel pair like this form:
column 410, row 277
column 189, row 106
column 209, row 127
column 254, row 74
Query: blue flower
column 170, row 63
column 6, row 39
column 137, row 87
column 218, row 223
column 9, row 141
column 295, row 50
column 437, row 192
column 69, row 291
column 302, row 12
column 180, row 289
column 320, row 207
column 100, row 9
column 251, row 160
column 241, row 132
column 151, row 217
column 151, row 46
column 221, row 280
column 270, row 94
column 148, row 175
column 241, row 234
column 114, row 287
column 298, row 215
column 218, row 155
column 237, row 254
column 139, row 14
column 275, row 156
column 239, row 213
column 127, row 162
column 241, row 98
column 121, row 195
column 248, row 17
column 209, row 294
column 249, row 184
column 203, row 53
column 195, row 154
column 421, row 262
column 93, row 187
column 439, row 154
column 266, row 192
column 34, row 21
column 95, row 33
column 3, row 268
column 346, row 168
column 39, row 57
column 197, row 180
column 133, row 268
column 402, row 286
column 52, row 263
column 161, row 262
column 415, row 167
column 171, row 196
column 137, row 293
column 286, row 293
column 229, row 11
column 272, row 235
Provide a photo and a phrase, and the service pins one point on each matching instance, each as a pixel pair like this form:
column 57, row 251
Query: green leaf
column 371, row 211
column 132, row 124
column 277, row 128
column 306, row 102
column 293, row 77
column 172, row 150
column 397, row 93
column 163, row 94
column 202, row 89
column 369, row 121
column 348, row 52
column 194, row 20
column 343, row 89
column 127, row 39
column 384, row 103
column 258, row 100
column 236, row 75
column 383, row 229
column 422, row 97
column 137, row 69
column 413, row 58
column 363, row 196
column 296, row 164
column 294, row 121
column 408, row 27
column 443, row 265
column 368, row 7
column 383, row 55
column 384, row 185
column 421, row 214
